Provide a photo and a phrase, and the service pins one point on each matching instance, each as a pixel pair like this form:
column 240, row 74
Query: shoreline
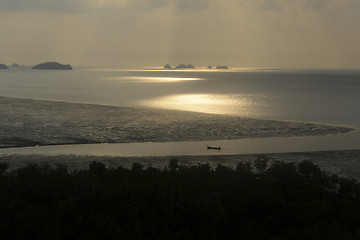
column 267, row 145
column 344, row 163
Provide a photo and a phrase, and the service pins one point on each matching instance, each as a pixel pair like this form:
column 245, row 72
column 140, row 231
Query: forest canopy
column 264, row 200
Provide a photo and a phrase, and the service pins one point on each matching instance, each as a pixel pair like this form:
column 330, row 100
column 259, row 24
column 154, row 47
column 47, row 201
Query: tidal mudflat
column 27, row 122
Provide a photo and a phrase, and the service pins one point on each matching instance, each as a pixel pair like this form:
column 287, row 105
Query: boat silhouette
column 215, row 148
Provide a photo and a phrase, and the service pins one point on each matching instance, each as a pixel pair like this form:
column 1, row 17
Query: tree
column 3, row 168
column 243, row 167
column 261, row 164
column 309, row 170
column 173, row 165
column 137, row 167
column 97, row 168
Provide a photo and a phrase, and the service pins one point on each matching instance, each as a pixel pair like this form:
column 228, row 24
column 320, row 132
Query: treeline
column 254, row 201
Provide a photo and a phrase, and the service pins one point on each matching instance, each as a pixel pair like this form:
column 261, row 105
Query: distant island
column 185, row 66
column 167, row 66
column 222, row 67
column 15, row 65
column 209, row 67
column 3, row 66
column 53, row 66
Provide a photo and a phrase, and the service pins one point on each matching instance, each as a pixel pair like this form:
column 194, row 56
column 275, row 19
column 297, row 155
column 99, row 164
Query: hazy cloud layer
column 281, row 33
column 197, row 5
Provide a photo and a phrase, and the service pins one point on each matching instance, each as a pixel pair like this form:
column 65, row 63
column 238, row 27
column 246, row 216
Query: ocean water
column 323, row 96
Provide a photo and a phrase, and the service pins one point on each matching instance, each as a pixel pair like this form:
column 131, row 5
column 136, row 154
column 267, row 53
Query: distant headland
column 3, row 66
column 53, row 66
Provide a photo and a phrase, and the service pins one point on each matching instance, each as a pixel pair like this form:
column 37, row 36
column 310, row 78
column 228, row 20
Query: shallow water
column 298, row 95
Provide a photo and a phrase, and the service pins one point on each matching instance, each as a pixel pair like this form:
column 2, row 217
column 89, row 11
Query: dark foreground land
column 253, row 201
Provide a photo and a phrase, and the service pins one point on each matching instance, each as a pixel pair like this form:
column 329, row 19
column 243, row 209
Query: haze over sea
column 324, row 96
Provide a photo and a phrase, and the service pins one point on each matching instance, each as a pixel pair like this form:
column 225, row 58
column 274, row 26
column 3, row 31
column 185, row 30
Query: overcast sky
column 238, row 33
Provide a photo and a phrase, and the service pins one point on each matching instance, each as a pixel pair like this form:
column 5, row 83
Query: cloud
column 146, row 5
column 82, row 5
column 354, row 6
column 317, row 5
column 40, row 5
column 302, row 5
column 265, row 5
column 196, row 5
column 270, row 5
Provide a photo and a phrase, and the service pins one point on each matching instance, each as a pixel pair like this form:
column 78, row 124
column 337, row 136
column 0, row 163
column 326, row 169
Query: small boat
column 215, row 148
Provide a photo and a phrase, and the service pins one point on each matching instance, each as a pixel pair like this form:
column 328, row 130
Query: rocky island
column 53, row 66
column 167, row 66
column 185, row 66
column 3, row 66
column 222, row 67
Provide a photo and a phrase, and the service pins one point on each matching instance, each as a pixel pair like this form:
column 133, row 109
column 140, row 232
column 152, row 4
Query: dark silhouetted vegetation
column 270, row 200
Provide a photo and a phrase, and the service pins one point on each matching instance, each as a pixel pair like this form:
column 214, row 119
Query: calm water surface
column 325, row 96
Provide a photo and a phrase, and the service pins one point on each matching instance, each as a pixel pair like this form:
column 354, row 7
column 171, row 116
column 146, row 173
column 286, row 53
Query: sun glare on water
column 165, row 79
column 155, row 79
column 206, row 103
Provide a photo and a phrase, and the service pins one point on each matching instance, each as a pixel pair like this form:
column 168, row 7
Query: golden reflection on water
column 165, row 79
column 161, row 69
column 206, row 103
column 156, row 79
column 202, row 69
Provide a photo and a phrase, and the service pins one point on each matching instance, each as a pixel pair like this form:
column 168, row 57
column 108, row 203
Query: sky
column 237, row 33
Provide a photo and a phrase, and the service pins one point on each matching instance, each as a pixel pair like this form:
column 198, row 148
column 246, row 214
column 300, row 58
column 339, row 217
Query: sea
column 320, row 96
